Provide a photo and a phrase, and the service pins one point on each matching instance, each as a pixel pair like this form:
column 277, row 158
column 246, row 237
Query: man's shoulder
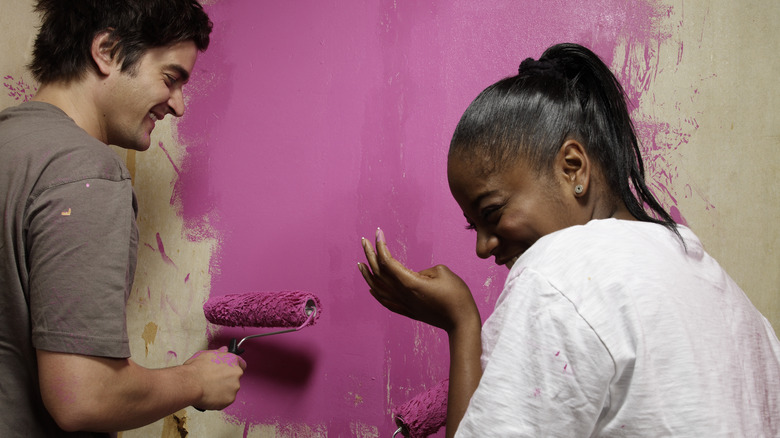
column 39, row 139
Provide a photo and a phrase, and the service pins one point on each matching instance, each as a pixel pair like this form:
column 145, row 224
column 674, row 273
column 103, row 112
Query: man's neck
column 78, row 101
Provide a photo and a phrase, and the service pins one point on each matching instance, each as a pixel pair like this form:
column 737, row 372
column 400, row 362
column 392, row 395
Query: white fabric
column 613, row 329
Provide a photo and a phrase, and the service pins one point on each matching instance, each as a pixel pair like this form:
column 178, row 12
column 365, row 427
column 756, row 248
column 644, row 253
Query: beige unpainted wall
column 715, row 83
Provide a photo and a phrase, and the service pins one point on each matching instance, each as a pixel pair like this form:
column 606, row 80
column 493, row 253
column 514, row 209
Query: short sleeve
column 82, row 237
column 546, row 372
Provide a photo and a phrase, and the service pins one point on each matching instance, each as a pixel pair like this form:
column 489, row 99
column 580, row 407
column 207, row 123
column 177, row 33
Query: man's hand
column 218, row 373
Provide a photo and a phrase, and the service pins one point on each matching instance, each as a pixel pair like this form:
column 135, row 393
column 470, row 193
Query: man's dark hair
column 62, row 50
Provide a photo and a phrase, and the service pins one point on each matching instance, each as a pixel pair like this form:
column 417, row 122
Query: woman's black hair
column 569, row 93
column 61, row 51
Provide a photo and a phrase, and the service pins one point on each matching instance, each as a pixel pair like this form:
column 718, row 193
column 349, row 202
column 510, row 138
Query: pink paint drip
column 175, row 168
column 161, row 248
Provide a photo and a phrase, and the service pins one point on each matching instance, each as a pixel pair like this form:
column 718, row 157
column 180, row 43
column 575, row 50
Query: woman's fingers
column 382, row 265
column 421, row 296
column 373, row 264
column 366, row 273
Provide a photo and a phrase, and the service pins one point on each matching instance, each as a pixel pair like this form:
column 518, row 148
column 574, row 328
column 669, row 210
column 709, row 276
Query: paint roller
column 424, row 414
column 293, row 309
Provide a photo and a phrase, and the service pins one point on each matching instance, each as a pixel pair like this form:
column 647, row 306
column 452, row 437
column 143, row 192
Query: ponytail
column 569, row 93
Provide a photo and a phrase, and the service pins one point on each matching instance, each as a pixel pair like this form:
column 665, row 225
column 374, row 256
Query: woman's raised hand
column 435, row 296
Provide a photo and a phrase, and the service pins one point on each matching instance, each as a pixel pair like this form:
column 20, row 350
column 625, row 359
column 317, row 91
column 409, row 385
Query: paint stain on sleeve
column 149, row 334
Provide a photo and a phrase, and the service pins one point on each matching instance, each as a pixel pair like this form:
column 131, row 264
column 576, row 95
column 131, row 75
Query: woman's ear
column 573, row 164
column 102, row 52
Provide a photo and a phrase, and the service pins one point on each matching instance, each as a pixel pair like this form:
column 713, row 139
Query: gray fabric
column 67, row 255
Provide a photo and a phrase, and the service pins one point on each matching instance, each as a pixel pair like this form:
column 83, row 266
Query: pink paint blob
column 310, row 125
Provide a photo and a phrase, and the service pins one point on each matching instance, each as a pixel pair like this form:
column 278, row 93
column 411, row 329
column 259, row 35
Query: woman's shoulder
column 610, row 241
column 604, row 234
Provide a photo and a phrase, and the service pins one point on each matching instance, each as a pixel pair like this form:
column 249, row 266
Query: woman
column 613, row 320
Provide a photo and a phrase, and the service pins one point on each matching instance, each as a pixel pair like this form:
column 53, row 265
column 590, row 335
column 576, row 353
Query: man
column 108, row 70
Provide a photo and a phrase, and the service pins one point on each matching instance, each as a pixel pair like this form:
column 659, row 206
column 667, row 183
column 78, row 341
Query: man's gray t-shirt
column 67, row 255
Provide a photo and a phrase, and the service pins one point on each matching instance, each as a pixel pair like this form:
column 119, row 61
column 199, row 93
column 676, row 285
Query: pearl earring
column 578, row 189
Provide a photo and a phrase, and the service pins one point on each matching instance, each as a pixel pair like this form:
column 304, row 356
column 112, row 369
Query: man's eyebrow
column 184, row 75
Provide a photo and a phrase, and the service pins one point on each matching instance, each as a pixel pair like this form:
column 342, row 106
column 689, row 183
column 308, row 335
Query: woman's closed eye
column 490, row 214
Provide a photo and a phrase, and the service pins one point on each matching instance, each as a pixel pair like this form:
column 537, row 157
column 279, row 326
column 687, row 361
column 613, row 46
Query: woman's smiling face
column 511, row 208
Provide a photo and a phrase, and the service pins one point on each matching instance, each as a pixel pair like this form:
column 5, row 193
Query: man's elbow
column 67, row 406
column 75, row 416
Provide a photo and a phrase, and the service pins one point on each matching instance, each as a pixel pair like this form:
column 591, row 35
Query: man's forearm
column 85, row 393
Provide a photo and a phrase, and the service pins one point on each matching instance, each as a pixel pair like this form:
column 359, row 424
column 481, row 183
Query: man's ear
column 102, row 52
column 573, row 164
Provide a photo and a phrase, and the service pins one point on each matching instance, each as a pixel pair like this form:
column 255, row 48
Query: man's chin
column 139, row 146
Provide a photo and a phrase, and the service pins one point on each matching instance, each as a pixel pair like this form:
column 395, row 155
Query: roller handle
column 233, row 347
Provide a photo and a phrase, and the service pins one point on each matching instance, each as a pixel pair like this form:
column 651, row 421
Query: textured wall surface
column 310, row 123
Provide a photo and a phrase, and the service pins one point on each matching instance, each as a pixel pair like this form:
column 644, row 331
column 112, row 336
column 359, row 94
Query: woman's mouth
column 508, row 262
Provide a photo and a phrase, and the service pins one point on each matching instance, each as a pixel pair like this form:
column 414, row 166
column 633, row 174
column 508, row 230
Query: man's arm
column 87, row 393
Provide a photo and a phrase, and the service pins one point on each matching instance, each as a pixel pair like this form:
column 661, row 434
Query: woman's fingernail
column 380, row 235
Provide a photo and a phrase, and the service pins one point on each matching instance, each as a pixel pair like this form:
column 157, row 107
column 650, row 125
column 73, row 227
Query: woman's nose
column 486, row 243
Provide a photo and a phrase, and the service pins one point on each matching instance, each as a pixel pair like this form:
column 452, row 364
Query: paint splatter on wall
column 19, row 90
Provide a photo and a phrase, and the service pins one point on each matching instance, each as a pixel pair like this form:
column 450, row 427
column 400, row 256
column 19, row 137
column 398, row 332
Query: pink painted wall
column 310, row 123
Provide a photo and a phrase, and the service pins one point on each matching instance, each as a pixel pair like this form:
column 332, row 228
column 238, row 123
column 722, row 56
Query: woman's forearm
column 465, row 371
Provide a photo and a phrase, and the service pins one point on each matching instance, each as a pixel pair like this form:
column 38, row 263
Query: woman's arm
column 437, row 297
column 465, row 373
